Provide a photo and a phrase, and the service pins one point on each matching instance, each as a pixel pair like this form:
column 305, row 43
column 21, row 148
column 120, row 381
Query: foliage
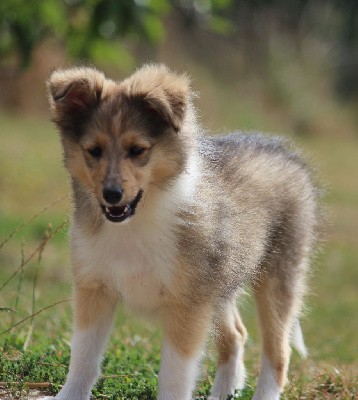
column 97, row 30
column 82, row 26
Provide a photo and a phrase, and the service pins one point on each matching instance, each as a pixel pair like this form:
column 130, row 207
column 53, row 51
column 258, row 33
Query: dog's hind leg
column 278, row 302
column 230, row 337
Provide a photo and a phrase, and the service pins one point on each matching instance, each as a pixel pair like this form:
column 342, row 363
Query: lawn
column 35, row 279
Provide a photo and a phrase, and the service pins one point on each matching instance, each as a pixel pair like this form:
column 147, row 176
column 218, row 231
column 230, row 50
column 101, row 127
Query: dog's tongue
column 118, row 211
column 119, row 214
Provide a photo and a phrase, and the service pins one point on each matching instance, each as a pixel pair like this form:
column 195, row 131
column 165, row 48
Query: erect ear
column 73, row 95
column 171, row 106
column 163, row 91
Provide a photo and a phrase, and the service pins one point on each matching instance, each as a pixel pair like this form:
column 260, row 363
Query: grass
column 37, row 350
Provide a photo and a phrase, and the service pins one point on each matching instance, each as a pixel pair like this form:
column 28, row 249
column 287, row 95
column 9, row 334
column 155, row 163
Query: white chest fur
column 137, row 259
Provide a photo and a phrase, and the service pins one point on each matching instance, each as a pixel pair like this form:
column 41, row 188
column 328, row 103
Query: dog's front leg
column 185, row 330
column 94, row 310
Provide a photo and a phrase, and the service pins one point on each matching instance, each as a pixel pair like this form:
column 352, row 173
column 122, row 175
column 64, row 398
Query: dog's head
column 121, row 139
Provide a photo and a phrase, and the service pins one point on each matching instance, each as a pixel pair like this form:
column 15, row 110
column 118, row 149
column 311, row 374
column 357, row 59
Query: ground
column 35, row 279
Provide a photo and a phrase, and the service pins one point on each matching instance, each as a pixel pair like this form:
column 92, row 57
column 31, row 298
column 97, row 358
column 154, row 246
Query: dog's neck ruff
column 186, row 184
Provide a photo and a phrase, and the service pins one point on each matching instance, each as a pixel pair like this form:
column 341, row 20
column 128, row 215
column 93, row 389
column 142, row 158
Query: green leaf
column 54, row 16
column 111, row 53
column 159, row 6
column 221, row 25
column 154, row 28
column 221, row 4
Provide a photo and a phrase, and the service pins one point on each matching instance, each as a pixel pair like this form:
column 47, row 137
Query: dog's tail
column 297, row 338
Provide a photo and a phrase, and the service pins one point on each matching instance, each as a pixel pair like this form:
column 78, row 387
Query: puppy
column 173, row 224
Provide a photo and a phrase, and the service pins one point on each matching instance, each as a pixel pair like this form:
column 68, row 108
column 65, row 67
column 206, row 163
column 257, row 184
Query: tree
column 90, row 29
column 94, row 29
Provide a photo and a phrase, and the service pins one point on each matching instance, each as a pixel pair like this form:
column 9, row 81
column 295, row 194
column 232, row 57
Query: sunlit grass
column 37, row 350
column 31, row 167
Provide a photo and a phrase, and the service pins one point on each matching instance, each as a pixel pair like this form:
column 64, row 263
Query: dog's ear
column 73, row 95
column 163, row 91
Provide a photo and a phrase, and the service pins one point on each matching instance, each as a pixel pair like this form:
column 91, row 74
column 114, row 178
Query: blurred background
column 286, row 67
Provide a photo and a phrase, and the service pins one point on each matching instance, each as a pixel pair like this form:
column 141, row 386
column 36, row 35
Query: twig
column 38, row 249
column 33, row 315
column 50, row 364
column 29, row 385
column 31, row 328
column 7, row 309
column 29, row 335
column 21, row 226
column 19, row 284
column 114, row 376
column 47, row 385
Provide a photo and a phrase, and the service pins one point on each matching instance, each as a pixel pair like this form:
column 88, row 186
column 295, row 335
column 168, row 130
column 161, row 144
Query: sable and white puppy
column 173, row 224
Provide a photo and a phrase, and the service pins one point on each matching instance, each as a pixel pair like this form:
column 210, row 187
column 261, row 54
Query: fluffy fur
column 196, row 219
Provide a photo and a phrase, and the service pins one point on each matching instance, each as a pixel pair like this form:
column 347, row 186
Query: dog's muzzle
column 119, row 214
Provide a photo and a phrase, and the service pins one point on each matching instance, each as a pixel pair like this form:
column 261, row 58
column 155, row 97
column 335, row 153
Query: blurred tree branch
column 81, row 25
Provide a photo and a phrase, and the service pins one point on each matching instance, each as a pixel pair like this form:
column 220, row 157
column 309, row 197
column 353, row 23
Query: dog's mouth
column 120, row 214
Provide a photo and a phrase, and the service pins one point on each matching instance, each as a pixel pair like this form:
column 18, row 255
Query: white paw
column 222, row 396
column 266, row 396
column 229, row 377
column 267, row 388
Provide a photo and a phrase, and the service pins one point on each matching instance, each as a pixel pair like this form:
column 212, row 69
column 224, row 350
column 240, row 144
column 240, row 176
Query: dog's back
column 254, row 210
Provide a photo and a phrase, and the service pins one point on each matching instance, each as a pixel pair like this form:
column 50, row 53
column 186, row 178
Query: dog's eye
column 96, row 152
column 136, row 151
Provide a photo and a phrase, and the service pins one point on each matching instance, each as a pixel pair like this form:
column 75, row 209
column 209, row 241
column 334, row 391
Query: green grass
column 37, row 350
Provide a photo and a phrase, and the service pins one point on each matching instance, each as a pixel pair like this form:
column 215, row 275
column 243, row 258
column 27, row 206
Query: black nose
column 112, row 195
